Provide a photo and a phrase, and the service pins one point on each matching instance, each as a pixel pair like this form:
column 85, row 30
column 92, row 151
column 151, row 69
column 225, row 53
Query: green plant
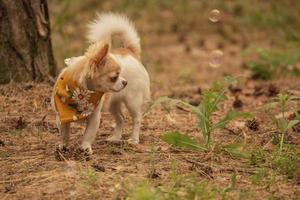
column 287, row 161
column 16, row 132
column 144, row 192
column 182, row 187
column 90, row 177
column 181, row 140
column 152, row 170
column 282, row 123
column 271, row 63
column 224, row 191
column 186, row 75
column 4, row 154
column 177, row 186
column 258, row 157
column 268, row 16
column 62, row 17
column 259, row 175
column 209, row 105
column 234, row 149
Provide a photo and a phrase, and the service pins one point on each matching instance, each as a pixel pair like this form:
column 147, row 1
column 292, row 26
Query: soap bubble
column 215, row 58
column 214, row 15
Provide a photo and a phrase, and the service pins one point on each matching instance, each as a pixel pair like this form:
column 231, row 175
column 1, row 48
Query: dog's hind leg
column 115, row 109
column 134, row 108
column 64, row 130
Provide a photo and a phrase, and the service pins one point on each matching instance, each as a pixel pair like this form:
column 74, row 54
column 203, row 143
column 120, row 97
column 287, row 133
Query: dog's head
column 103, row 70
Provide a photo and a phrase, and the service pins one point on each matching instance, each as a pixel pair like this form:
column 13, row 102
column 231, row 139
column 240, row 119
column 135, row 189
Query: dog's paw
column 87, row 151
column 87, row 148
column 133, row 141
column 114, row 138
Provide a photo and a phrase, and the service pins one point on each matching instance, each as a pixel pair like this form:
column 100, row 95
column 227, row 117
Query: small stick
column 241, row 170
column 182, row 108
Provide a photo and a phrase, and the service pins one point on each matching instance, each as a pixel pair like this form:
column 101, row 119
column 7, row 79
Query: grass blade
column 292, row 123
column 235, row 149
column 181, row 140
column 230, row 115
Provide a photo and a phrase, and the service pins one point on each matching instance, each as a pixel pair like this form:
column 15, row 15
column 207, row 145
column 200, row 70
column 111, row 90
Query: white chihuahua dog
column 137, row 91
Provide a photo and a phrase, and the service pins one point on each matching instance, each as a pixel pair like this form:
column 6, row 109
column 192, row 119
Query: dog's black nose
column 124, row 82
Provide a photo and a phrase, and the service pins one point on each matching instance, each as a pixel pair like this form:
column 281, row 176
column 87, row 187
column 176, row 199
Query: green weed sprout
column 209, row 105
column 282, row 123
column 204, row 112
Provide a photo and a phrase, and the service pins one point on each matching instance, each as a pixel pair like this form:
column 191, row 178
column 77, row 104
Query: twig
column 25, row 157
column 228, row 169
column 50, row 79
column 62, row 156
column 45, row 176
column 205, row 174
column 182, row 108
column 12, row 180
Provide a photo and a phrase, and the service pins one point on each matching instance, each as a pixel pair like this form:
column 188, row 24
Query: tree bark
column 25, row 42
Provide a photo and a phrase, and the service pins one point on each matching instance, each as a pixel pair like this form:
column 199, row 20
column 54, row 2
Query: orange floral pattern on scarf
column 72, row 102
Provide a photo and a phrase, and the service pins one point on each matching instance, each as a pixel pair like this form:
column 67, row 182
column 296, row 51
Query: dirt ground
column 178, row 65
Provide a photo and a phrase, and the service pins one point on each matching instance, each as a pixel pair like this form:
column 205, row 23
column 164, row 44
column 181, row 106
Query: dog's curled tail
column 109, row 24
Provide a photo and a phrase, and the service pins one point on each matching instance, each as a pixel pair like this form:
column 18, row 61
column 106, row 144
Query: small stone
column 98, row 168
column 153, row 175
column 234, row 89
column 21, row 123
column 296, row 127
column 237, row 103
column 188, row 48
column 199, row 90
column 28, row 87
column 272, row 90
column 194, row 102
column 10, row 188
column 258, row 91
column 174, row 28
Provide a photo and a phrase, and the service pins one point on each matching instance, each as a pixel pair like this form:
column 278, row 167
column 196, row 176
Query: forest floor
column 178, row 64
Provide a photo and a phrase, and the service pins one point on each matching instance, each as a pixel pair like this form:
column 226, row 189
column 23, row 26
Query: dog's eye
column 114, row 78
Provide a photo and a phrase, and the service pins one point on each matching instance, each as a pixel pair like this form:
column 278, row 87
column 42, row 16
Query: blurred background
column 194, row 41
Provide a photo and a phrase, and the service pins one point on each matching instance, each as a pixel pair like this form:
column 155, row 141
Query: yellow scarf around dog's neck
column 73, row 102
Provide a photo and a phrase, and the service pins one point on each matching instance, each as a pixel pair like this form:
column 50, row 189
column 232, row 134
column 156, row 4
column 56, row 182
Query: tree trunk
column 25, row 42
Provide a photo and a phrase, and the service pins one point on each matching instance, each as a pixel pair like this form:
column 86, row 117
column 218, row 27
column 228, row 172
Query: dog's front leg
column 115, row 109
column 90, row 132
column 64, row 131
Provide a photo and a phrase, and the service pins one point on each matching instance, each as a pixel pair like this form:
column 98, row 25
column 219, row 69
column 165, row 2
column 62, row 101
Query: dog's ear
column 99, row 58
